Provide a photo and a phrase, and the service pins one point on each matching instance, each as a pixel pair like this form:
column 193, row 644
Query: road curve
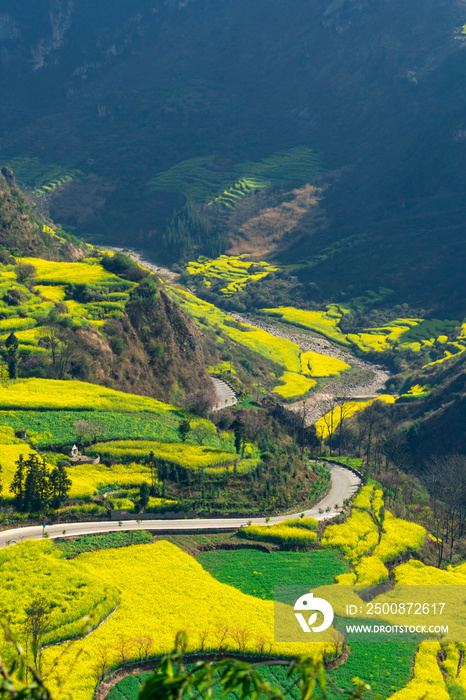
column 224, row 393
column 344, row 485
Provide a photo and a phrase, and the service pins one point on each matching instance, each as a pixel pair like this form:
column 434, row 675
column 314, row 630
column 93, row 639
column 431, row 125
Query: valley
column 232, row 350
column 201, row 483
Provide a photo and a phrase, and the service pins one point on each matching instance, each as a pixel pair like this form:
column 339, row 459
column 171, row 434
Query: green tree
column 124, row 266
column 240, row 435
column 36, row 483
column 201, row 434
column 144, row 494
column 11, row 344
column 184, row 429
column 17, row 483
column 59, row 485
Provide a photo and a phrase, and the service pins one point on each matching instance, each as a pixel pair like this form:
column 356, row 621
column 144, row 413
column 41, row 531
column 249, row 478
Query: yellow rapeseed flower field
column 280, row 350
column 287, row 532
column 428, row 682
column 372, row 536
column 31, row 569
column 235, row 270
column 90, row 272
column 295, row 385
column 86, row 479
column 318, row 365
column 57, row 394
column 54, row 292
column 323, row 322
column 182, row 453
column 163, row 590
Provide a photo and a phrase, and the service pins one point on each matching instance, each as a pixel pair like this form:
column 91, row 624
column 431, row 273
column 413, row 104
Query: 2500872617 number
column 404, row 608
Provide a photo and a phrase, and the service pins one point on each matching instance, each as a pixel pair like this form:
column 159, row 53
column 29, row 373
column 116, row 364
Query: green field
column 42, row 177
column 256, row 573
column 91, row 543
column 58, row 427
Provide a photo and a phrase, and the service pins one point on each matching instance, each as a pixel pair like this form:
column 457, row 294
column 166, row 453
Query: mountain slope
column 23, row 233
column 81, row 321
column 118, row 95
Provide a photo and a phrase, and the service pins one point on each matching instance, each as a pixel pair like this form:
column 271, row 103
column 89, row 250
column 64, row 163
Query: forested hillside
column 245, row 102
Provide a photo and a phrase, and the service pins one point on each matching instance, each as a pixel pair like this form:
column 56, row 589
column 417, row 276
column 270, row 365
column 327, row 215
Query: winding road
column 345, row 483
column 224, row 393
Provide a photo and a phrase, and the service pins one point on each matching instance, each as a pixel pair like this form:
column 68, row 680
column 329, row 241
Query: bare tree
column 327, row 408
column 25, row 273
column 304, row 414
column 148, row 644
column 445, row 478
column 202, row 636
column 102, row 652
column 372, row 422
column 36, row 626
column 260, row 644
column 221, row 634
column 63, row 350
column 241, row 637
column 343, row 411
column 88, row 430
column 143, row 645
column 124, row 647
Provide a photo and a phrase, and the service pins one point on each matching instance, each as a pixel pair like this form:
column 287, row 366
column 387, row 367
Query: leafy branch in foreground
column 172, row 680
column 20, row 680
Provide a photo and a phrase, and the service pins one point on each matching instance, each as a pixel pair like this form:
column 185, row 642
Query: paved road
column 344, row 484
column 224, row 393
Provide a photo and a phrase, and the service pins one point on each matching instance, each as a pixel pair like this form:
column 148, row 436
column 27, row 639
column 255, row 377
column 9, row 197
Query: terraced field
column 142, row 424
column 181, row 454
column 200, row 180
column 403, row 333
column 234, row 272
column 25, row 307
column 41, row 177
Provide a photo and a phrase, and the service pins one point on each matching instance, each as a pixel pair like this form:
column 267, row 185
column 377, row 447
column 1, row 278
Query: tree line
column 35, row 486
